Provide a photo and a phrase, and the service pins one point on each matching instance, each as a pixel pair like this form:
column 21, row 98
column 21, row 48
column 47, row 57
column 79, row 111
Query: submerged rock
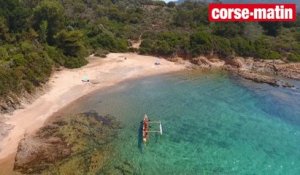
column 264, row 71
column 79, row 143
column 258, row 78
column 272, row 67
column 36, row 154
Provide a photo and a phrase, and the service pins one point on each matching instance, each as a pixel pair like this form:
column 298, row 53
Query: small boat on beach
column 146, row 128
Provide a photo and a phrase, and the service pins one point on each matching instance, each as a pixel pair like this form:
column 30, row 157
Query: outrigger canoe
column 146, row 128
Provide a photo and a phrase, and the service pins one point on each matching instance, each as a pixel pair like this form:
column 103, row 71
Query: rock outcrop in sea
column 265, row 71
column 261, row 71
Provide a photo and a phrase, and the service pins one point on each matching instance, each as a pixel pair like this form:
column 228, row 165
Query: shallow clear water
column 213, row 124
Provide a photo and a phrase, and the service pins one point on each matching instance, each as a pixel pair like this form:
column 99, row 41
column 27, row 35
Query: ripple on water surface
column 213, row 124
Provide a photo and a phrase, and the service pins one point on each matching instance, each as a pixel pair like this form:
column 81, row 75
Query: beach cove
column 213, row 122
column 66, row 86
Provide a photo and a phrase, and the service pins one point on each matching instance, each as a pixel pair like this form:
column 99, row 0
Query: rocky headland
column 272, row 72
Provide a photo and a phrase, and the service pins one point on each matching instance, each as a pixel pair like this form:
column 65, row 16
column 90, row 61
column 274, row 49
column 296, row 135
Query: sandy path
column 66, row 86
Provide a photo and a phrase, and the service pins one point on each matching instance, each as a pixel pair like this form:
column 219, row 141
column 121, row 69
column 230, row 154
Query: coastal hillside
column 40, row 36
column 248, row 1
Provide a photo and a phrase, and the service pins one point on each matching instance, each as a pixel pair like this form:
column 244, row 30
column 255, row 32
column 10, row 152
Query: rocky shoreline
column 271, row 72
column 14, row 102
column 4, row 129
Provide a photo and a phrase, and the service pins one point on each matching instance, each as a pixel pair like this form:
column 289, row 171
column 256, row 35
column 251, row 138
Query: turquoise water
column 213, row 124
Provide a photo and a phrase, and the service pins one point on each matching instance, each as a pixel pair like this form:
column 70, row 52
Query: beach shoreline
column 67, row 86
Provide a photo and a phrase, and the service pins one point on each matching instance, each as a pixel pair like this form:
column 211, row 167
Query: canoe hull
column 145, row 128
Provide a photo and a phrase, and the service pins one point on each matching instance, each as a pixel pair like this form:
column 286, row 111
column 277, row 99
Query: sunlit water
column 212, row 124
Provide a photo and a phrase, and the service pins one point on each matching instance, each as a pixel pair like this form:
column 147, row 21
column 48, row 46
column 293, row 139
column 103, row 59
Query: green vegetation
column 196, row 36
column 164, row 43
column 37, row 35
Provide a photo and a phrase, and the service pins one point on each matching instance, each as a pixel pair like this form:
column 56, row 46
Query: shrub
column 50, row 13
column 19, row 60
column 242, row 47
column 4, row 30
column 228, row 30
column 294, row 57
column 183, row 18
column 71, row 42
column 74, row 62
column 297, row 36
column 163, row 43
column 221, row 46
column 146, row 46
column 56, row 55
column 273, row 55
column 101, row 53
column 261, row 48
column 271, row 28
column 201, row 43
column 109, row 42
column 3, row 54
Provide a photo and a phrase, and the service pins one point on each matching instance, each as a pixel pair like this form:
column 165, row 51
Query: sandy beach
column 66, row 86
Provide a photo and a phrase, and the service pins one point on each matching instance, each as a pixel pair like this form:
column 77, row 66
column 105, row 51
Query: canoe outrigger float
column 146, row 128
